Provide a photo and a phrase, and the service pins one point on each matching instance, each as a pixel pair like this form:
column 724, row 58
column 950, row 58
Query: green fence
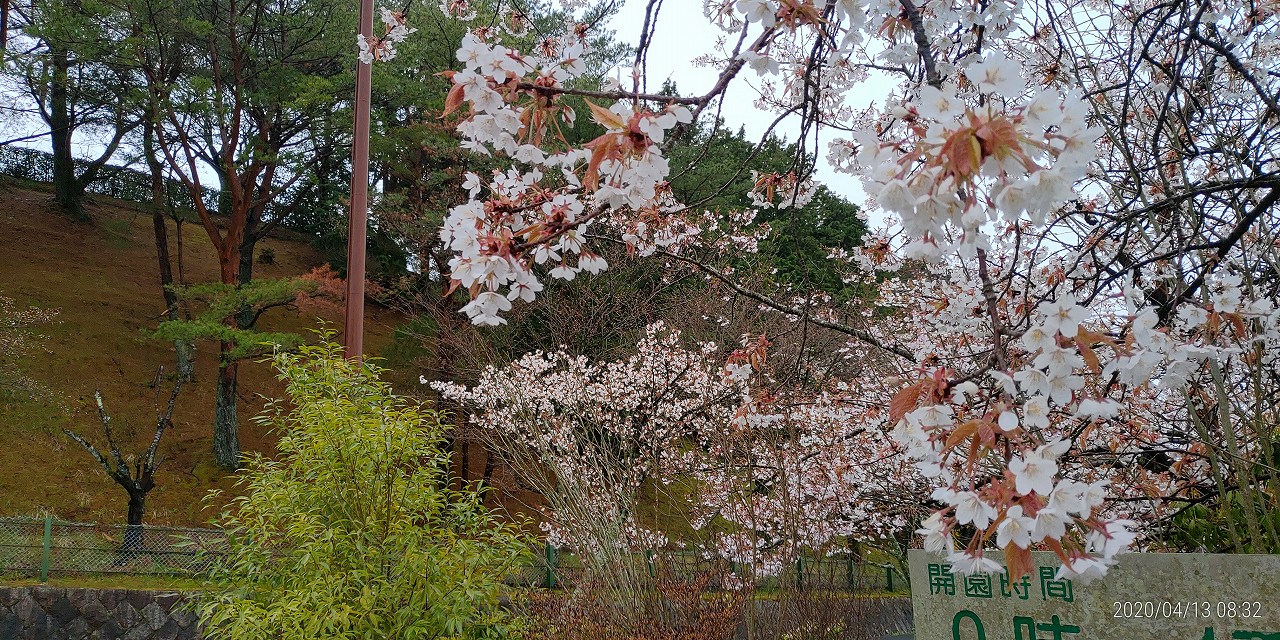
column 48, row 546
column 43, row 547
column 555, row 568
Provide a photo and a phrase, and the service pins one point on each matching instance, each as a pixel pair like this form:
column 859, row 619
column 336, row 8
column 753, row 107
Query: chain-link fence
column 554, row 568
column 47, row 546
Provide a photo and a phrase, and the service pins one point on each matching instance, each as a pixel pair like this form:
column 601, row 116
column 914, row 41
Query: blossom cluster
column 758, row 465
column 964, row 168
column 395, row 29
column 1005, row 449
column 541, row 212
column 1066, row 312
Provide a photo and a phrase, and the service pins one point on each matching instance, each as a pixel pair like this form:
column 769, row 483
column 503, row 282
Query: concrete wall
column 56, row 613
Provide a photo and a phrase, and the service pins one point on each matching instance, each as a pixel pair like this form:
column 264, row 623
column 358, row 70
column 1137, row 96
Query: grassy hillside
column 103, row 279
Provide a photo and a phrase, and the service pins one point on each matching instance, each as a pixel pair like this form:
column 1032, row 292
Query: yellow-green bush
column 352, row 532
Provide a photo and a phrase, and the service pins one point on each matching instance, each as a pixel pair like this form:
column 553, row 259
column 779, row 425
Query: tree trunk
column 186, row 352
column 245, row 319
column 67, row 192
column 486, row 478
column 4, row 23
column 137, row 507
column 226, row 442
column 133, row 531
column 182, row 276
column 184, row 349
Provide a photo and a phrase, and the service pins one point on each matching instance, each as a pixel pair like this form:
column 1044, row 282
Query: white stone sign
column 1147, row 596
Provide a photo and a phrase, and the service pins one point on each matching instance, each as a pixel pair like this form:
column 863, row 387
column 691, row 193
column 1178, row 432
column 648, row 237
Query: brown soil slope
column 104, row 280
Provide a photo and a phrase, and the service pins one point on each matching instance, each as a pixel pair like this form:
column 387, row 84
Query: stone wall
column 56, row 613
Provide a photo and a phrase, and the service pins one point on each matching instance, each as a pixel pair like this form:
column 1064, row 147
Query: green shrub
column 352, row 531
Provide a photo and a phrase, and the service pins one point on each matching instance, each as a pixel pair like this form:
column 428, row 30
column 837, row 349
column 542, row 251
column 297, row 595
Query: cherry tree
column 1081, row 207
column 707, row 439
column 809, row 474
column 589, row 436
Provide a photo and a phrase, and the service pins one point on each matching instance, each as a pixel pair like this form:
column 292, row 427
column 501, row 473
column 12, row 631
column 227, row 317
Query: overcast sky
column 684, row 33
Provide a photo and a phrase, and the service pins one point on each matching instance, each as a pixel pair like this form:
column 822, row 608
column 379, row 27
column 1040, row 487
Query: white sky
column 684, row 33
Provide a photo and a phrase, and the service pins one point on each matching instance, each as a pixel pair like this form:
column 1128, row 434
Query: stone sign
column 1146, row 596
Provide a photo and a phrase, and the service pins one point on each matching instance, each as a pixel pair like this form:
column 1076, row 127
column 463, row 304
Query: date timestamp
column 1222, row 609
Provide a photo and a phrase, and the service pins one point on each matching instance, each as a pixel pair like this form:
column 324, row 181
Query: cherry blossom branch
column 610, row 95
column 1225, row 246
column 863, row 336
column 993, row 313
column 922, row 43
column 1238, row 67
column 731, row 70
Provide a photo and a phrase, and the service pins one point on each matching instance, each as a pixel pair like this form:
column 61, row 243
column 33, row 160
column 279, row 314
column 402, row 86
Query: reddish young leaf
column 904, row 401
column 1018, row 561
column 605, row 117
column 453, row 100
column 1086, row 352
column 962, row 432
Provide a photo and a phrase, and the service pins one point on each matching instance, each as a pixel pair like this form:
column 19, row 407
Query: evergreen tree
column 81, row 82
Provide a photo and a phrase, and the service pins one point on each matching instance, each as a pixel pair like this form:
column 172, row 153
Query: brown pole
column 354, row 343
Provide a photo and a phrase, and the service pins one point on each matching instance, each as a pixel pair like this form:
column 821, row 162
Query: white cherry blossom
column 1015, row 528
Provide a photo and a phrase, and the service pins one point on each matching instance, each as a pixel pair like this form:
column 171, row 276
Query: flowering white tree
column 773, row 476
column 1092, row 187
column 587, row 436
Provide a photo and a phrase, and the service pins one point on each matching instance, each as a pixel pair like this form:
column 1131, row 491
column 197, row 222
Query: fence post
column 551, row 566
column 888, row 579
column 46, row 554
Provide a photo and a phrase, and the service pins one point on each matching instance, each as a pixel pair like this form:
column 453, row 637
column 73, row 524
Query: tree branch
column 897, row 350
column 922, row 43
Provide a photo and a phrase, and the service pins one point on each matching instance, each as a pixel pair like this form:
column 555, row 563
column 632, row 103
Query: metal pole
column 551, row 566
column 354, row 328
column 46, row 555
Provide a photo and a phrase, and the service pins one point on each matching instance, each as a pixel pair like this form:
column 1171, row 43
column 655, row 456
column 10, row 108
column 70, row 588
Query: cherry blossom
column 1070, row 264
column 965, row 563
column 1015, row 528
column 382, row 47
